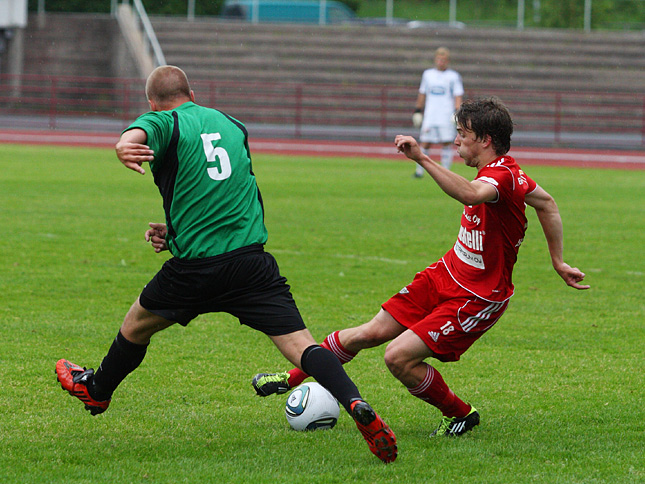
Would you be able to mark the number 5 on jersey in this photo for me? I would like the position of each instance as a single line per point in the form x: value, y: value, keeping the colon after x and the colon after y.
x: 212, y: 154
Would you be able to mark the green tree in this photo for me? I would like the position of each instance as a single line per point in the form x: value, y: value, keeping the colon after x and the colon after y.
x: 562, y: 14
x: 95, y: 6
x: 155, y: 7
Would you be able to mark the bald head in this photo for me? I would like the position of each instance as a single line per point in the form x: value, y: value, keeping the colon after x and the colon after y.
x: 167, y: 87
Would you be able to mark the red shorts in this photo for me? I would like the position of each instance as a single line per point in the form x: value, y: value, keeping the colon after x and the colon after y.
x: 444, y: 315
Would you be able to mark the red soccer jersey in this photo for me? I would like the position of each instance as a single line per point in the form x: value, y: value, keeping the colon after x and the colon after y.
x: 491, y: 233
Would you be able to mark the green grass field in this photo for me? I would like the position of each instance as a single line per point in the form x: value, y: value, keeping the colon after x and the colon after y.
x: 558, y: 382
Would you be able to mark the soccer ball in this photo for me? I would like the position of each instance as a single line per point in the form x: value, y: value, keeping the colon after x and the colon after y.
x: 310, y: 407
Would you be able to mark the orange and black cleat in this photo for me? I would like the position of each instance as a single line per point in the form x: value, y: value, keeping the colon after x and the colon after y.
x: 74, y: 379
x: 376, y: 432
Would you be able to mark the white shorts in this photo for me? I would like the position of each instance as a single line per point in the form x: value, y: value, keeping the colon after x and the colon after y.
x: 438, y: 134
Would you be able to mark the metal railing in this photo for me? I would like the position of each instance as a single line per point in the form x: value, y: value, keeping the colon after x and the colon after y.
x: 149, y: 33
x: 334, y: 111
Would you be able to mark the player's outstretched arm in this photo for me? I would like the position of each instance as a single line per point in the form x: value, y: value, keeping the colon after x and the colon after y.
x: 156, y: 235
x: 131, y: 150
x: 465, y: 191
x: 549, y: 216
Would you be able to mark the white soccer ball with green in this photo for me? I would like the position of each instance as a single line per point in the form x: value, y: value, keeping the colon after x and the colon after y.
x: 311, y: 407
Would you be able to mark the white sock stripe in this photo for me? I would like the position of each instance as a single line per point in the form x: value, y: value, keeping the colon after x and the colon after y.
x: 334, y: 346
x: 425, y: 383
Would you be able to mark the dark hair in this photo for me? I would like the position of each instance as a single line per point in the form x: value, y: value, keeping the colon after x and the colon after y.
x: 488, y: 116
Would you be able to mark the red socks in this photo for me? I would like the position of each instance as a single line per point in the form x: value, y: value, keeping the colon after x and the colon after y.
x: 434, y: 391
x: 332, y: 343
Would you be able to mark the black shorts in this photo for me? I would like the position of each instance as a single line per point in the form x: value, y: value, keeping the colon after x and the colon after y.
x: 245, y: 283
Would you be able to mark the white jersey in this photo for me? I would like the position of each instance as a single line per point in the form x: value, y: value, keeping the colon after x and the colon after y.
x: 440, y: 88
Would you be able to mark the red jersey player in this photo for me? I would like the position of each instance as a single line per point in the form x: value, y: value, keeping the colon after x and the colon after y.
x: 453, y: 302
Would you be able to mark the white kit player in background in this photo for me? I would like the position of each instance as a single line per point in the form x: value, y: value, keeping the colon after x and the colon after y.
x: 440, y: 95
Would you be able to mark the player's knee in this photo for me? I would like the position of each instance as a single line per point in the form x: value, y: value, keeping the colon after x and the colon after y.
x: 140, y: 325
x: 396, y: 362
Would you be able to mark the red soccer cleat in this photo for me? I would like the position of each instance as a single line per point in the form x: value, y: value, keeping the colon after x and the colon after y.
x: 74, y: 379
x: 376, y: 432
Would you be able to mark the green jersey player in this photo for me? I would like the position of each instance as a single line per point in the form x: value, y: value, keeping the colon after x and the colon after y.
x: 215, y: 230
x: 215, y: 167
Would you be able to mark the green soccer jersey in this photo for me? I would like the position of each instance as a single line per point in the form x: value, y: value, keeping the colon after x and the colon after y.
x: 202, y: 166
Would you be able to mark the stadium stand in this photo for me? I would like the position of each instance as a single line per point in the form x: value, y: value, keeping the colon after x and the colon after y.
x: 486, y: 58
x: 563, y: 86
x: 375, y: 55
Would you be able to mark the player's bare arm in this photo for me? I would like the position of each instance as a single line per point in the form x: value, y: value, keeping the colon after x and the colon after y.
x: 549, y: 216
x: 156, y: 235
x: 132, y: 150
x: 417, y: 117
x: 421, y: 101
x: 458, y: 101
x: 463, y: 190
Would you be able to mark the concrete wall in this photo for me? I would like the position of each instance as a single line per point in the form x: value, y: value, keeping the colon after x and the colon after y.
x: 76, y: 45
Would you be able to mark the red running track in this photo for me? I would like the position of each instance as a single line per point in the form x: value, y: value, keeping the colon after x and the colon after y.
x: 615, y: 159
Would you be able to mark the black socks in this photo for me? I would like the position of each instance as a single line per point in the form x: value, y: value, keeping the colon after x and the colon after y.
x: 323, y: 365
x: 122, y: 358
